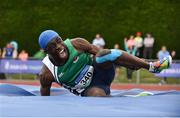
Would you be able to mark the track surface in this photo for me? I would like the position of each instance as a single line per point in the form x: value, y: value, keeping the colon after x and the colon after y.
x: 113, y: 86
x: 25, y: 101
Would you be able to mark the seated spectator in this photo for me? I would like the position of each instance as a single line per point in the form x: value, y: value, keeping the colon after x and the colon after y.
x: 39, y: 55
x: 99, y: 41
x: 9, y: 51
x: 139, y: 44
x: 148, y: 46
x: 163, y: 53
x: 23, y: 55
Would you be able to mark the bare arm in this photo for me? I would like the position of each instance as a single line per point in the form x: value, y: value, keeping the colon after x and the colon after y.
x: 83, y: 45
x: 46, y: 79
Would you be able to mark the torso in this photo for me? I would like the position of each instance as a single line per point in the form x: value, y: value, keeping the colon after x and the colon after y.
x: 67, y: 73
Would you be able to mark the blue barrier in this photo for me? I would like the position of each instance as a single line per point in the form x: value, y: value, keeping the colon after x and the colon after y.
x: 34, y: 67
x: 18, y: 66
x: 173, y: 71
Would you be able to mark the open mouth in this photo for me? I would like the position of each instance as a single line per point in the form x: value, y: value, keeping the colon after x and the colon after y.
x: 62, y: 53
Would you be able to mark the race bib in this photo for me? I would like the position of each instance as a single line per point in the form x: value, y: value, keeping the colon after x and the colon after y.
x: 85, y: 77
x: 82, y: 81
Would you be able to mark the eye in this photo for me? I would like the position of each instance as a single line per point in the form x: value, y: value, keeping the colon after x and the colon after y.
x: 52, y: 46
x: 58, y: 41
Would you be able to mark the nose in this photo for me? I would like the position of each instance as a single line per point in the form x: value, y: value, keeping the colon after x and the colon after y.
x: 58, y: 46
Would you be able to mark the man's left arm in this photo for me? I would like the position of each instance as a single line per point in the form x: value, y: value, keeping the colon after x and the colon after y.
x: 83, y: 45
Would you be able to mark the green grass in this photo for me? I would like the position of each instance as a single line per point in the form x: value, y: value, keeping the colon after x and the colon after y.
x: 145, y: 77
x: 21, y: 76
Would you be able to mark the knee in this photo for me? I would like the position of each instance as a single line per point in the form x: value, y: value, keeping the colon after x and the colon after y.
x: 108, y: 55
x: 96, y: 92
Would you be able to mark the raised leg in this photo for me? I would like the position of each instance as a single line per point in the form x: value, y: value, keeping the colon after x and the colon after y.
x: 121, y: 58
x: 131, y: 62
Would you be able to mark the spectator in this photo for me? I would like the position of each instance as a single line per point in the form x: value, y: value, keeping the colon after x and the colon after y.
x: 130, y: 42
x: 131, y: 49
x: 9, y: 51
x: 39, y: 55
x: 148, y: 46
x: 163, y: 53
x: 139, y: 44
x: 173, y: 54
x: 116, y: 46
x: 0, y: 53
x: 117, y: 71
x: 14, y: 44
x: 23, y: 55
x: 99, y: 41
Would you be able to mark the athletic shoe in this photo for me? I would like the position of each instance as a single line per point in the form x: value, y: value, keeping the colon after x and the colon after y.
x: 158, y: 66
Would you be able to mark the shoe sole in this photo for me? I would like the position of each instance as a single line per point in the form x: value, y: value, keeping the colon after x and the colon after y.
x: 170, y: 61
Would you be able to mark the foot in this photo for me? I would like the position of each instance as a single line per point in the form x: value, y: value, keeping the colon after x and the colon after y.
x: 158, y: 66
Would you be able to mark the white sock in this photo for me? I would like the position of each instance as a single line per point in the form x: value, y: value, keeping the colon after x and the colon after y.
x: 151, y: 67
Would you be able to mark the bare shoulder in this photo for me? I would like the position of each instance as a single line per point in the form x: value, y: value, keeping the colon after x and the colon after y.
x: 45, y: 76
x: 82, y: 44
x: 79, y: 42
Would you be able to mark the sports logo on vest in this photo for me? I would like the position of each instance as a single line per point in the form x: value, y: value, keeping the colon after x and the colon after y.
x: 60, y: 75
x: 75, y: 59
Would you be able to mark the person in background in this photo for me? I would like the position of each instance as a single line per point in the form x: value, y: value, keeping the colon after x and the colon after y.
x: 139, y: 44
x: 99, y: 41
x: 161, y: 55
x: 130, y: 48
x: 39, y: 55
x: 9, y: 52
x: 0, y: 53
x: 23, y: 55
x: 173, y: 54
x: 117, y: 71
x: 148, y: 46
x: 14, y: 44
x: 130, y: 42
x: 116, y: 46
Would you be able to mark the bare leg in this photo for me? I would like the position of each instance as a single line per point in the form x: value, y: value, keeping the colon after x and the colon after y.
x: 131, y: 62
x: 121, y: 58
x: 95, y: 92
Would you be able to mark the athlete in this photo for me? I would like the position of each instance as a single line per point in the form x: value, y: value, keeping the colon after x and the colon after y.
x: 82, y: 68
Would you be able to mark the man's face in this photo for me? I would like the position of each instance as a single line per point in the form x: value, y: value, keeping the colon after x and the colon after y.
x: 57, y: 51
x: 164, y: 49
x: 97, y: 36
x: 148, y: 35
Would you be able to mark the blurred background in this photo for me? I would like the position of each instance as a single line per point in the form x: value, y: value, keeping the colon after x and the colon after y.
x: 149, y: 29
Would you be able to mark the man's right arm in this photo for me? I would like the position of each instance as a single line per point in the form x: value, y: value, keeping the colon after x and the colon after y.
x: 46, y: 78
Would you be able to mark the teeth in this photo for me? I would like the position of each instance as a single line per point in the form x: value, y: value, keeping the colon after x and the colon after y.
x: 62, y: 51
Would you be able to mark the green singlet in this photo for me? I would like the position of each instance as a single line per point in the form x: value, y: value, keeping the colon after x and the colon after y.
x: 67, y: 73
